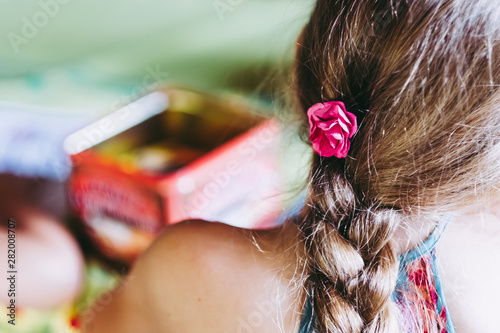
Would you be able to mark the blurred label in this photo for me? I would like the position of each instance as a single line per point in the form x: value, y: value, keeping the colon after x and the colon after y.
x: 31, y: 142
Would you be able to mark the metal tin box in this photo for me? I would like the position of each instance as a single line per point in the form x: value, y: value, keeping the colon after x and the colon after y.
x: 170, y: 156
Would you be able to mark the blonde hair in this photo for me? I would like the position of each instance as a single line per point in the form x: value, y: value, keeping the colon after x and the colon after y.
x: 423, y: 76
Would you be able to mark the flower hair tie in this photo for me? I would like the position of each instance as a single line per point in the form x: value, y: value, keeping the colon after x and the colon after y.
x: 331, y: 128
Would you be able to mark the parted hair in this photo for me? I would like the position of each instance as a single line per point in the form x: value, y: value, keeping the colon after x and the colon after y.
x: 422, y: 77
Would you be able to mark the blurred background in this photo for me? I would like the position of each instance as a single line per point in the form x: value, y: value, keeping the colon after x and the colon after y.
x: 65, y: 64
x: 85, y: 54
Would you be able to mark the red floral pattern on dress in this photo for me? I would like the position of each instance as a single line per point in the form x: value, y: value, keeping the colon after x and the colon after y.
x: 418, y: 299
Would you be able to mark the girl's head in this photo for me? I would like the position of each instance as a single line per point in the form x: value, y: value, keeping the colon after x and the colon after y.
x: 422, y: 77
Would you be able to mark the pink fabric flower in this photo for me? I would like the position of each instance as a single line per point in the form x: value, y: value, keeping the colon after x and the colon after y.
x: 331, y: 128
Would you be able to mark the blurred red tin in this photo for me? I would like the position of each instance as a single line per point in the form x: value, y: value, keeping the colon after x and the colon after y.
x: 170, y: 156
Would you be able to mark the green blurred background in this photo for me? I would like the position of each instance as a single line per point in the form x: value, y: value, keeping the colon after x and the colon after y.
x: 83, y: 56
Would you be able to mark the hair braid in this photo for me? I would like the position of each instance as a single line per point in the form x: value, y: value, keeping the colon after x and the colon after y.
x: 354, y: 266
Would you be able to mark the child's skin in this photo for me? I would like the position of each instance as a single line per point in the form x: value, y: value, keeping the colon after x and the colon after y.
x: 469, y: 253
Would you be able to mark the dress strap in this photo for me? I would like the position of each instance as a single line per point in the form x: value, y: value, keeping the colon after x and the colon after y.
x: 307, y: 321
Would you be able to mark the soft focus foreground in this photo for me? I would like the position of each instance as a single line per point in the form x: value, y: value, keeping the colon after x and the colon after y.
x: 67, y: 64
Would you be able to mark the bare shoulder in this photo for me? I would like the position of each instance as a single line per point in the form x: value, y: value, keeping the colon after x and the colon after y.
x: 468, y: 253
x: 211, y: 277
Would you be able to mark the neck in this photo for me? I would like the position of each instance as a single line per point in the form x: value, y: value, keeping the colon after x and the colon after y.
x: 410, y: 234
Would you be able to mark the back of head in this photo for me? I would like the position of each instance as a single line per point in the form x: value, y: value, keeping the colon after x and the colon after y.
x: 422, y: 76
